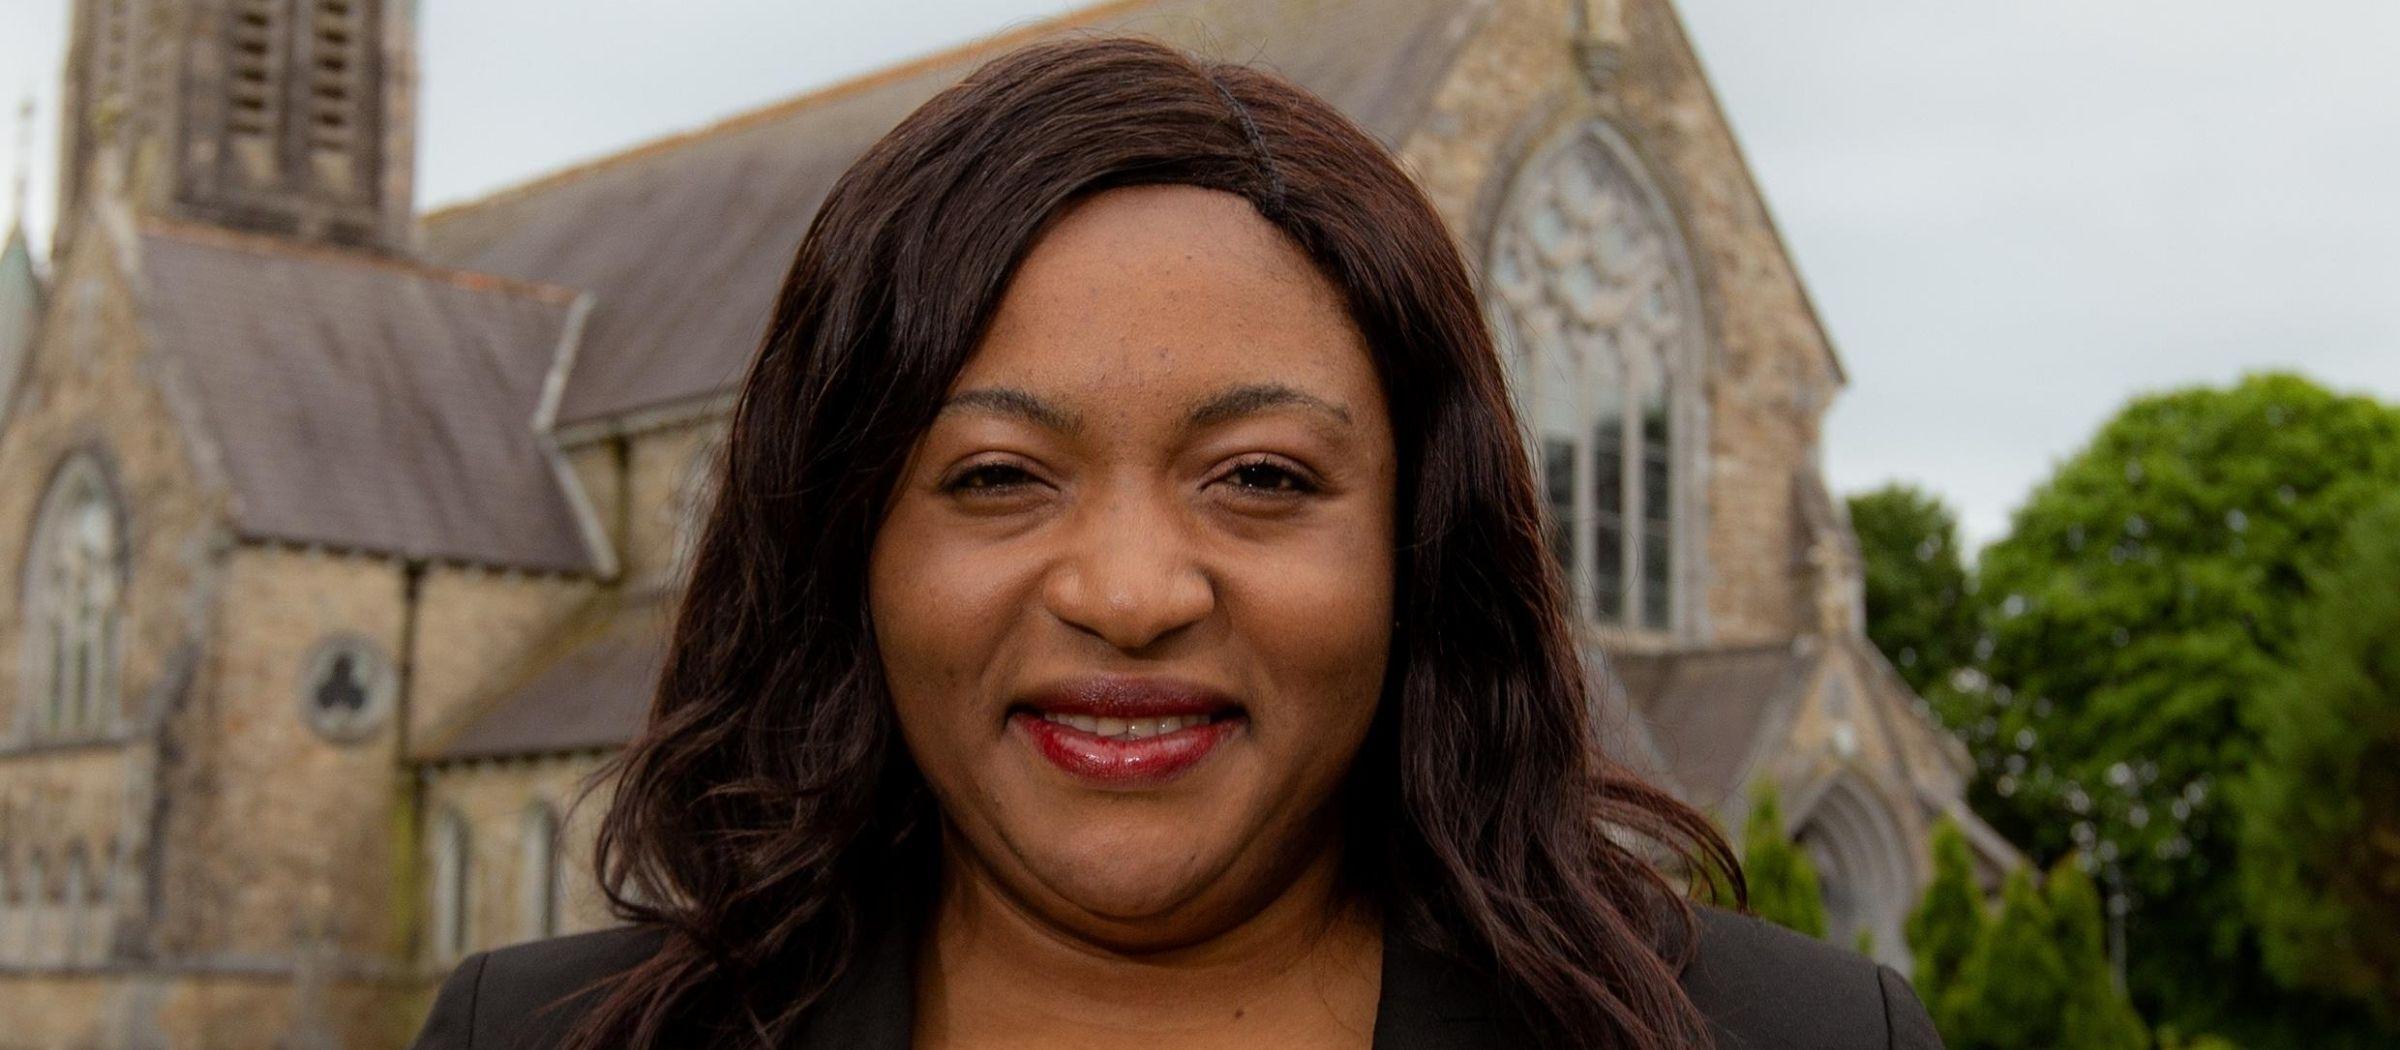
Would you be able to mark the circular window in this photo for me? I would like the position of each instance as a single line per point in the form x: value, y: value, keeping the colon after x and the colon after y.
x: 346, y: 685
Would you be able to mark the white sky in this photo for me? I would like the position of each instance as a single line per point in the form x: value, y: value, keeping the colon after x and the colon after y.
x: 2012, y: 215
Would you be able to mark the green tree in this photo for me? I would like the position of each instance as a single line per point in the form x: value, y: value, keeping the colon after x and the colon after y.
x: 1783, y: 884
x: 1949, y: 919
x: 1917, y: 586
x: 2097, y: 1015
x: 2320, y: 844
x: 2011, y: 992
x: 2142, y: 596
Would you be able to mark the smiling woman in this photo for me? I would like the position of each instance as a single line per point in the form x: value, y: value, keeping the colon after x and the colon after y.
x: 1125, y: 620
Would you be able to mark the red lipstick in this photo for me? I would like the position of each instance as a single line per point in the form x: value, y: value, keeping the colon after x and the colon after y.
x: 1126, y: 732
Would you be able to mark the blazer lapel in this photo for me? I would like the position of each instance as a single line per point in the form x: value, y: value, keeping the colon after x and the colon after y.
x: 1425, y: 1003
x: 870, y: 1007
x: 1429, y: 1004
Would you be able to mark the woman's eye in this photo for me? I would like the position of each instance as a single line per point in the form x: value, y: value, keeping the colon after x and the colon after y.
x: 988, y: 477
x: 1270, y: 478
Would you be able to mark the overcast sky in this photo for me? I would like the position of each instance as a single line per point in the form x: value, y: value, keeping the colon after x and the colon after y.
x: 2012, y: 216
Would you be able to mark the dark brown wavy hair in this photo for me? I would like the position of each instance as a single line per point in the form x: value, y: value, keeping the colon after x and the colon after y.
x: 769, y: 818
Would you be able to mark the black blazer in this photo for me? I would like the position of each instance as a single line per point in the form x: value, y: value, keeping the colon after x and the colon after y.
x: 1759, y: 985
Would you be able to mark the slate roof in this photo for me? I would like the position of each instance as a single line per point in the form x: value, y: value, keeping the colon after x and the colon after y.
x: 593, y: 697
x: 684, y: 241
x: 366, y: 403
x: 1704, y: 708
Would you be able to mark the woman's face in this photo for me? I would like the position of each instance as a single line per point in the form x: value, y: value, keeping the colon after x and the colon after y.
x: 1134, y: 590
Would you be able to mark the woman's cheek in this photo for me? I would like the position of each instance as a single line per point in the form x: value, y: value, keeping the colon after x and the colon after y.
x: 1322, y: 618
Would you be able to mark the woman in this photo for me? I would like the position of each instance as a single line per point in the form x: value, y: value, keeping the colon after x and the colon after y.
x: 1124, y: 621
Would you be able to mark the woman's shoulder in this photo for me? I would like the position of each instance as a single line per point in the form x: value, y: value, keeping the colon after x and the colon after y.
x: 527, y: 995
x: 1764, y: 985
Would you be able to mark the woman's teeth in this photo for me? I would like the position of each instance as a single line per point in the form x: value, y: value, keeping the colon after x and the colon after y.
x: 1125, y: 728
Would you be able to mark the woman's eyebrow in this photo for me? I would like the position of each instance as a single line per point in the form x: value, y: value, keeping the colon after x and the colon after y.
x: 1010, y: 401
x: 1225, y: 405
x: 1244, y: 400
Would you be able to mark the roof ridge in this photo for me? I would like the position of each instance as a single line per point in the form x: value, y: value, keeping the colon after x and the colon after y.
x: 269, y: 244
x: 780, y: 108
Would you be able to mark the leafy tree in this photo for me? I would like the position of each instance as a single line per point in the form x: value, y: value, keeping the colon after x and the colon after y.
x: 1917, y: 587
x: 2097, y: 1015
x: 2320, y: 844
x: 1783, y: 884
x: 2142, y: 595
x: 1949, y: 918
x: 2170, y: 1039
x: 2011, y: 992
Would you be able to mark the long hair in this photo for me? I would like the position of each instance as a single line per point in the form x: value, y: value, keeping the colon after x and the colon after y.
x: 769, y: 817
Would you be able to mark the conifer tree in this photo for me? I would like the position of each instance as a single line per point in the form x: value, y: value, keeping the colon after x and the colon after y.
x: 1949, y: 919
x: 2097, y: 1014
x: 2011, y: 993
x: 1783, y: 884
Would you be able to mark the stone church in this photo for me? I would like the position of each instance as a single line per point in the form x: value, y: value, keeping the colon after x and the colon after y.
x: 340, y: 539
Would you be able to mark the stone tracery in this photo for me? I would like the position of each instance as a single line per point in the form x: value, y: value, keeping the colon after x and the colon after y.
x: 1595, y: 307
x: 71, y: 600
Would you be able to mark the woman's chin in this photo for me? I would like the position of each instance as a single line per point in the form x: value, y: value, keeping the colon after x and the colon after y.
x: 1130, y: 904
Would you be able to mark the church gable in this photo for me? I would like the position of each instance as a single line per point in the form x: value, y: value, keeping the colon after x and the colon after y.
x: 1577, y: 148
x: 97, y: 451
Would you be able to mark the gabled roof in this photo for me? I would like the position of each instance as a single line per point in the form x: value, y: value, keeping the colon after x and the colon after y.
x: 1705, y: 707
x: 366, y: 403
x: 684, y: 241
x: 592, y: 691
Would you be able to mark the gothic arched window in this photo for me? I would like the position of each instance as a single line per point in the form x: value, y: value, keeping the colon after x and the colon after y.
x: 1594, y: 304
x: 37, y: 912
x: 541, y: 871
x: 453, y: 876
x: 74, y: 578
x: 75, y: 908
x: 12, y: 919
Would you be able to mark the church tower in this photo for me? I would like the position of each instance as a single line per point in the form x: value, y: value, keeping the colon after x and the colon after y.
x: 289, y: 117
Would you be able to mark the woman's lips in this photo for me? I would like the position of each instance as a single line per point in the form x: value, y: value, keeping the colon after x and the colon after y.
x: 1125, y: 752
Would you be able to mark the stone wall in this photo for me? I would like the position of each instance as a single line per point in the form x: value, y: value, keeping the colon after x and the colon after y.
x: 474, y: 626
x: 668, y: 472
x: 494, y: 799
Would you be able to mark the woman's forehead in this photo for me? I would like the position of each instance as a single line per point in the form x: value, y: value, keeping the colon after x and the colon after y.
x: 1168, y: 285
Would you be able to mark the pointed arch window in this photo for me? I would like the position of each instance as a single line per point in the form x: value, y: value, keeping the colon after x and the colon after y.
x: 541, y: 871
x: 75, y: 908
x: 37, y: 940
x: 453, y: 878
x: 1597, y: 314
x: 74, y: 583
x: 11, y: 917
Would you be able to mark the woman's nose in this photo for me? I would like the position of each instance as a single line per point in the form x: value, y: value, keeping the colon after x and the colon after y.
x: 1128, y: 571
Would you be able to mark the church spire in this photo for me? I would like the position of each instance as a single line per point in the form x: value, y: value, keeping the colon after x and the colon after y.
x: 291, y: 117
